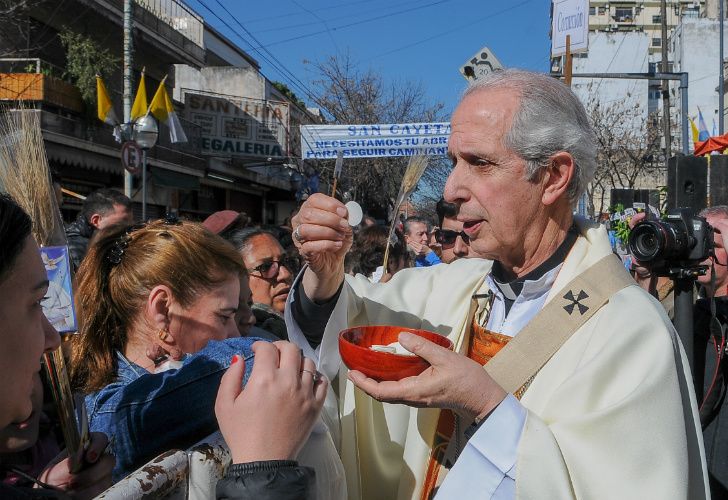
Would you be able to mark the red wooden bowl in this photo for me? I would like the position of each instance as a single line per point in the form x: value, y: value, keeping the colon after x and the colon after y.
x: 354, y: 346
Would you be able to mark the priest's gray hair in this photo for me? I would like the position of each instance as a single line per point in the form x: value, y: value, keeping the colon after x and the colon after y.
x: 550, y: 119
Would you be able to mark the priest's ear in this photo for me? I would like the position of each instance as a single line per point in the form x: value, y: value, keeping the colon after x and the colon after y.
x: 556, y: 177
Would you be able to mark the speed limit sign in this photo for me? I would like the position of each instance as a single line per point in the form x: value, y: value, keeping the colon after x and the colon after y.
x: 131, y: 157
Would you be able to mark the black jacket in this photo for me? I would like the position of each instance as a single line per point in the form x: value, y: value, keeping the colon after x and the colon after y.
x: 78, y: 233
x: 268, y: 480
x: 21, y: 493
x: 714, y: 411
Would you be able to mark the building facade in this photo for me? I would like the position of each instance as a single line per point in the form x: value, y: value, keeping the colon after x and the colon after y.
x: 626, y: 37
x: 169, y: 40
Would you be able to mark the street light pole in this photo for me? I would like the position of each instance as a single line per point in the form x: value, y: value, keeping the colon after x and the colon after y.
x: 144, y: 184
x: 128, y: 51
x: 681, y: 77
x: 721, y: 104
x: 146, y: 133
x: 666, y: 132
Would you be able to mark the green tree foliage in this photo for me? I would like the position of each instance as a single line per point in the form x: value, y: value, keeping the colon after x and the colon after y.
x: 85, y: 59
x: 283, y: 89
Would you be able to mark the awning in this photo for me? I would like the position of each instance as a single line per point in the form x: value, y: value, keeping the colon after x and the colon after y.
x: 168, y: 178
x: 67, y: 155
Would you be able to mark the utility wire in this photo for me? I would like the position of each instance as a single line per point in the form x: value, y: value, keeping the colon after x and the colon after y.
x: 328, y: 7
x: 312, y: 12
x: 356, y: 23
x: 322, y: 20
x: 280, y: 66
x: 456, y: 28
x: 284, y: 72
x: 50, y: 20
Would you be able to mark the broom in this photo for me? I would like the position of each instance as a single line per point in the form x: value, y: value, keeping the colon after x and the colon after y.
x: 415, y: 168
x: 25, y: 175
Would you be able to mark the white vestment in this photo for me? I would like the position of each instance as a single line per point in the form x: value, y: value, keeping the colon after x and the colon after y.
x: 611, y: 415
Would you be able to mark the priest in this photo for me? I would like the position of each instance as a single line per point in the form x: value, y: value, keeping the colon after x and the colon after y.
x: 566, y: 379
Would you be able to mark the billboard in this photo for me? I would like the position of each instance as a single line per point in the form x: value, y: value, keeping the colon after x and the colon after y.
x: 367, y: 141
x: 238, y: 126
x: 569, y: 17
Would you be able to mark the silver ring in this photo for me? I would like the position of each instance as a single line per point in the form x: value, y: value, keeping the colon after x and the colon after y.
x: 316, y: 375
x: 297, y: 234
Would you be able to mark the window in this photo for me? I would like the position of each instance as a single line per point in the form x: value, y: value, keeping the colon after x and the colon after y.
x: 656, y: 19
x: 656, y: 67
x: 691, y: 12
x: 623, y: 14
x: 592, y: 11
x: 602, y: 11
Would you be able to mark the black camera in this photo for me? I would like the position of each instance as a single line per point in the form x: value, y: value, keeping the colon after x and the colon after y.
x: 678, y: 243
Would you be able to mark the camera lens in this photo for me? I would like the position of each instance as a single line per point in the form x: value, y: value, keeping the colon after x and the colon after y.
x: 645, y: 242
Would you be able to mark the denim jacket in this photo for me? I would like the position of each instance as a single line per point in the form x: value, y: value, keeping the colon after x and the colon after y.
x: 145, y: 414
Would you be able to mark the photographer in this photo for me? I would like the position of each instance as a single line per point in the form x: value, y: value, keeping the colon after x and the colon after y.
x: 712, y: 379
x: 710, y: 368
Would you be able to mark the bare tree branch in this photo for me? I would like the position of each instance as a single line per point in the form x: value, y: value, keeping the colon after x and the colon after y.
x: 350, y: 96
x: 628, y: 150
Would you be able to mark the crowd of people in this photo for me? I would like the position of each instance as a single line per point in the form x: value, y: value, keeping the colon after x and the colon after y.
x: 566, y: 379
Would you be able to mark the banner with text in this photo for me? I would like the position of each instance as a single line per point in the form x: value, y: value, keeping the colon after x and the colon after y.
x: 367, y: 141
x: 239, y: 126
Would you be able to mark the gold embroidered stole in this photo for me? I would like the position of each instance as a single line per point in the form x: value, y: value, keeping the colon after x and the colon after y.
x: 521, y: 358
x: 482, y: 346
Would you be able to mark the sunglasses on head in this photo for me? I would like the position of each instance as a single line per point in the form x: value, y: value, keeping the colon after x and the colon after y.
x: 448, y: 236
x: 270, y: 268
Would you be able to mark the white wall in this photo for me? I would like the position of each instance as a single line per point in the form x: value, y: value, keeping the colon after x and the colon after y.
x: 240, y: 82
x: 613, y: 53
x: 695, y: 47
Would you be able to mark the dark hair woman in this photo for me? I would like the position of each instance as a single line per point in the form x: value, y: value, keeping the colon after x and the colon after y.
x: 25, y: 334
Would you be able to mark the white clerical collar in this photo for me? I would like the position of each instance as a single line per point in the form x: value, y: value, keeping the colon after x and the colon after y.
x: 530, y: 288
x: 512, y: 289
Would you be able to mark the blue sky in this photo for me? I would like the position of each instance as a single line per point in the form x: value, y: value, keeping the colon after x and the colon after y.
x: 423, y: 41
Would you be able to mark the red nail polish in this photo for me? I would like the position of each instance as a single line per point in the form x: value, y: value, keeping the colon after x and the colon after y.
x: 235, y: 359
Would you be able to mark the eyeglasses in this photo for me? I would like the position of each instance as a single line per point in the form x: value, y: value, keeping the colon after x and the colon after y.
x: 270, y: 268
x: 448, y: 236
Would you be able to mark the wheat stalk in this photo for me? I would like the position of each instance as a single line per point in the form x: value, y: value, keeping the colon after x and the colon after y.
x: 412, y: 175
x: 25, y: 175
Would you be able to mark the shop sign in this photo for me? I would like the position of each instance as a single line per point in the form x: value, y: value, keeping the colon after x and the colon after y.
x: 239, y: 126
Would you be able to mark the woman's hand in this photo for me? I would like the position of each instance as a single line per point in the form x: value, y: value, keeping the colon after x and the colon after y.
x: 93, y: 479
x: 271, y: 418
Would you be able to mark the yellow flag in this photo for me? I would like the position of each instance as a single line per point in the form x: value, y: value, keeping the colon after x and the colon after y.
x: 163, y: 110
x: 105, y: 107
x: 140, y: 106
x: 696, y: 132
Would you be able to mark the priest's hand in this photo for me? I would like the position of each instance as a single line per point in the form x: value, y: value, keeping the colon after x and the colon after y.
x: 323, y: 237
x: 452, y: 381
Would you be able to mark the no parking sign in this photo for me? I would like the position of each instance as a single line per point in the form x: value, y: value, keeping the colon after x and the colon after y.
x: 131, y: 157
